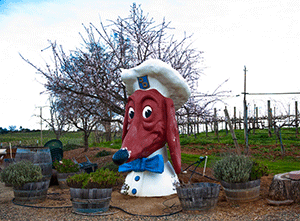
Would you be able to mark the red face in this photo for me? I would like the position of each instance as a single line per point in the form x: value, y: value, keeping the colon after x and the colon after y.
x: 149, y: 123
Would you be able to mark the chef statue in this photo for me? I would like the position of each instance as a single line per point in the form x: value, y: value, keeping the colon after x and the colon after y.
x: 155, y: 92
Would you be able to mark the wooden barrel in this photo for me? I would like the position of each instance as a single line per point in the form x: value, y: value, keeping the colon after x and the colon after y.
x: 90, y: 200
x: 62, y: 177
x: 40, y: 156
x: 198, y: 196
x: 242, y: 192
x: 31, y: 193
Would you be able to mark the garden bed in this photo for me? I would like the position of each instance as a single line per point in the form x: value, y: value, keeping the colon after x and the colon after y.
x: 156, y: 206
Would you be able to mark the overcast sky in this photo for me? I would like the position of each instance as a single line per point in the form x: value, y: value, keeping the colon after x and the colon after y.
x: 263, y: 35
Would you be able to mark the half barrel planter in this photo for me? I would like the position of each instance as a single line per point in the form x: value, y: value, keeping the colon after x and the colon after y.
x: 31, y: 193
x: 40, y: 156
x: 242, y: 192
x: 198, y: 196
x: 62, y: 179
x: 90, y: 200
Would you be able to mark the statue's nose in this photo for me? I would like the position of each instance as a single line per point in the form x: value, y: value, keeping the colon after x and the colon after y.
x: 121, y: 156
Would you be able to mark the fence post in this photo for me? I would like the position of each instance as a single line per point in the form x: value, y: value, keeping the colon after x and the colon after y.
x: 254, y: 119
x: 240, y: 121
x: 198, y: 122
x: 234, y: 117
x: 296, y: 117
x: 269, y: 118
x: 256, y: 112
x: 216, y: 123
x: 226, y: 123
x: 245, y: 113
x: 206, y: 128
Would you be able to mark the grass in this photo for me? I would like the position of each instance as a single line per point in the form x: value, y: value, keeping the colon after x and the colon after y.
x: 260, y: 137
x: 281, y: 166
x: 259, y: 142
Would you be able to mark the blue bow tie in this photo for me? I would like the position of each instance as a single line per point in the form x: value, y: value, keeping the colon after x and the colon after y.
x: 154, y: 164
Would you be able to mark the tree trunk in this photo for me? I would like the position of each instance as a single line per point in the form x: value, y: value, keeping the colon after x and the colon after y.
x: 107, y: 127
x: 285, y: 188
x: 57, y: 135
x: 97, y: 136
x: 86, y: 141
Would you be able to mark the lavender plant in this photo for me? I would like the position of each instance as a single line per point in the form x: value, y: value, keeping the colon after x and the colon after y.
x: 233, y: 169
x: 20, y: 173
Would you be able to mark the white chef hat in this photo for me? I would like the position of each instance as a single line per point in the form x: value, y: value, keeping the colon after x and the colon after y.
x: 156, y: 74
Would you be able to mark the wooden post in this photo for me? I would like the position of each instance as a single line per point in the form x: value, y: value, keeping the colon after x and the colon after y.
x: 226, y: 123
x: 206, y: 128
x: 245, y: 113
x: 254, y: 120
x: 216, y: 123
x: 240, y: 121
x: 256, y: 112
x: 289, y: 114
x: 227, y: 118
x: 296, y: 118
x: 188, y: 123
x: 198, y: 122
x: 269, y: 118
x: 41, y: 111
x: 234, y: 117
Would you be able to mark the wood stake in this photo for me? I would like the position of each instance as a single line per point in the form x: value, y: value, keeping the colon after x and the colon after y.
x: 227, y: 118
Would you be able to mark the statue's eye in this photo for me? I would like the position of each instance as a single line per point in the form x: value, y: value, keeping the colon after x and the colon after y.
x: 147, y: 112
x: 131, y: 112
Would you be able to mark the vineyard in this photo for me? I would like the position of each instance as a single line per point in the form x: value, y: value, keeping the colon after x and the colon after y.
x: 262, y: 146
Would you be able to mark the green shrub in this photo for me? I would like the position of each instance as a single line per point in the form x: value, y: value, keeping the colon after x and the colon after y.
x: 111, y: 166
x: 103, y: 153
x: 101, y: 178
x: 258, y: 170
x: 66, y: 166
x: 69, y: 146
x: 20, y: 173
x: 185, y: 140
x: 233, y: 169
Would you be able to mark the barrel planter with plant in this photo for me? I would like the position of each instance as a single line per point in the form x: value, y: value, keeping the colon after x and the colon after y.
x: 198, y: 196
x: 65, y: 168
x: 91, y: 193
x: 27, y: 181
x: 240, y: 177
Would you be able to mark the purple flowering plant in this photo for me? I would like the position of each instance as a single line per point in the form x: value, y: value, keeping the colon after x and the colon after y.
x: 66, y: 166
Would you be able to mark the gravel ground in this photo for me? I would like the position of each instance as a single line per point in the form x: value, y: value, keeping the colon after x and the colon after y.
x: 258, y: 210
x: 10, y: 211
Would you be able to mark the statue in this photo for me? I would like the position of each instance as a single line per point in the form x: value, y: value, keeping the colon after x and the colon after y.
x: 156, y: 90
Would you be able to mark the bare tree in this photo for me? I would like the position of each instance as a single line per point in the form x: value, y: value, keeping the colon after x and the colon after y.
x: 94, y: 70
x: 77, y: 110
x: 58, y: 121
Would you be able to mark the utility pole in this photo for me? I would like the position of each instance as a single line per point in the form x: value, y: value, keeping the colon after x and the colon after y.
x: 245, y: 113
